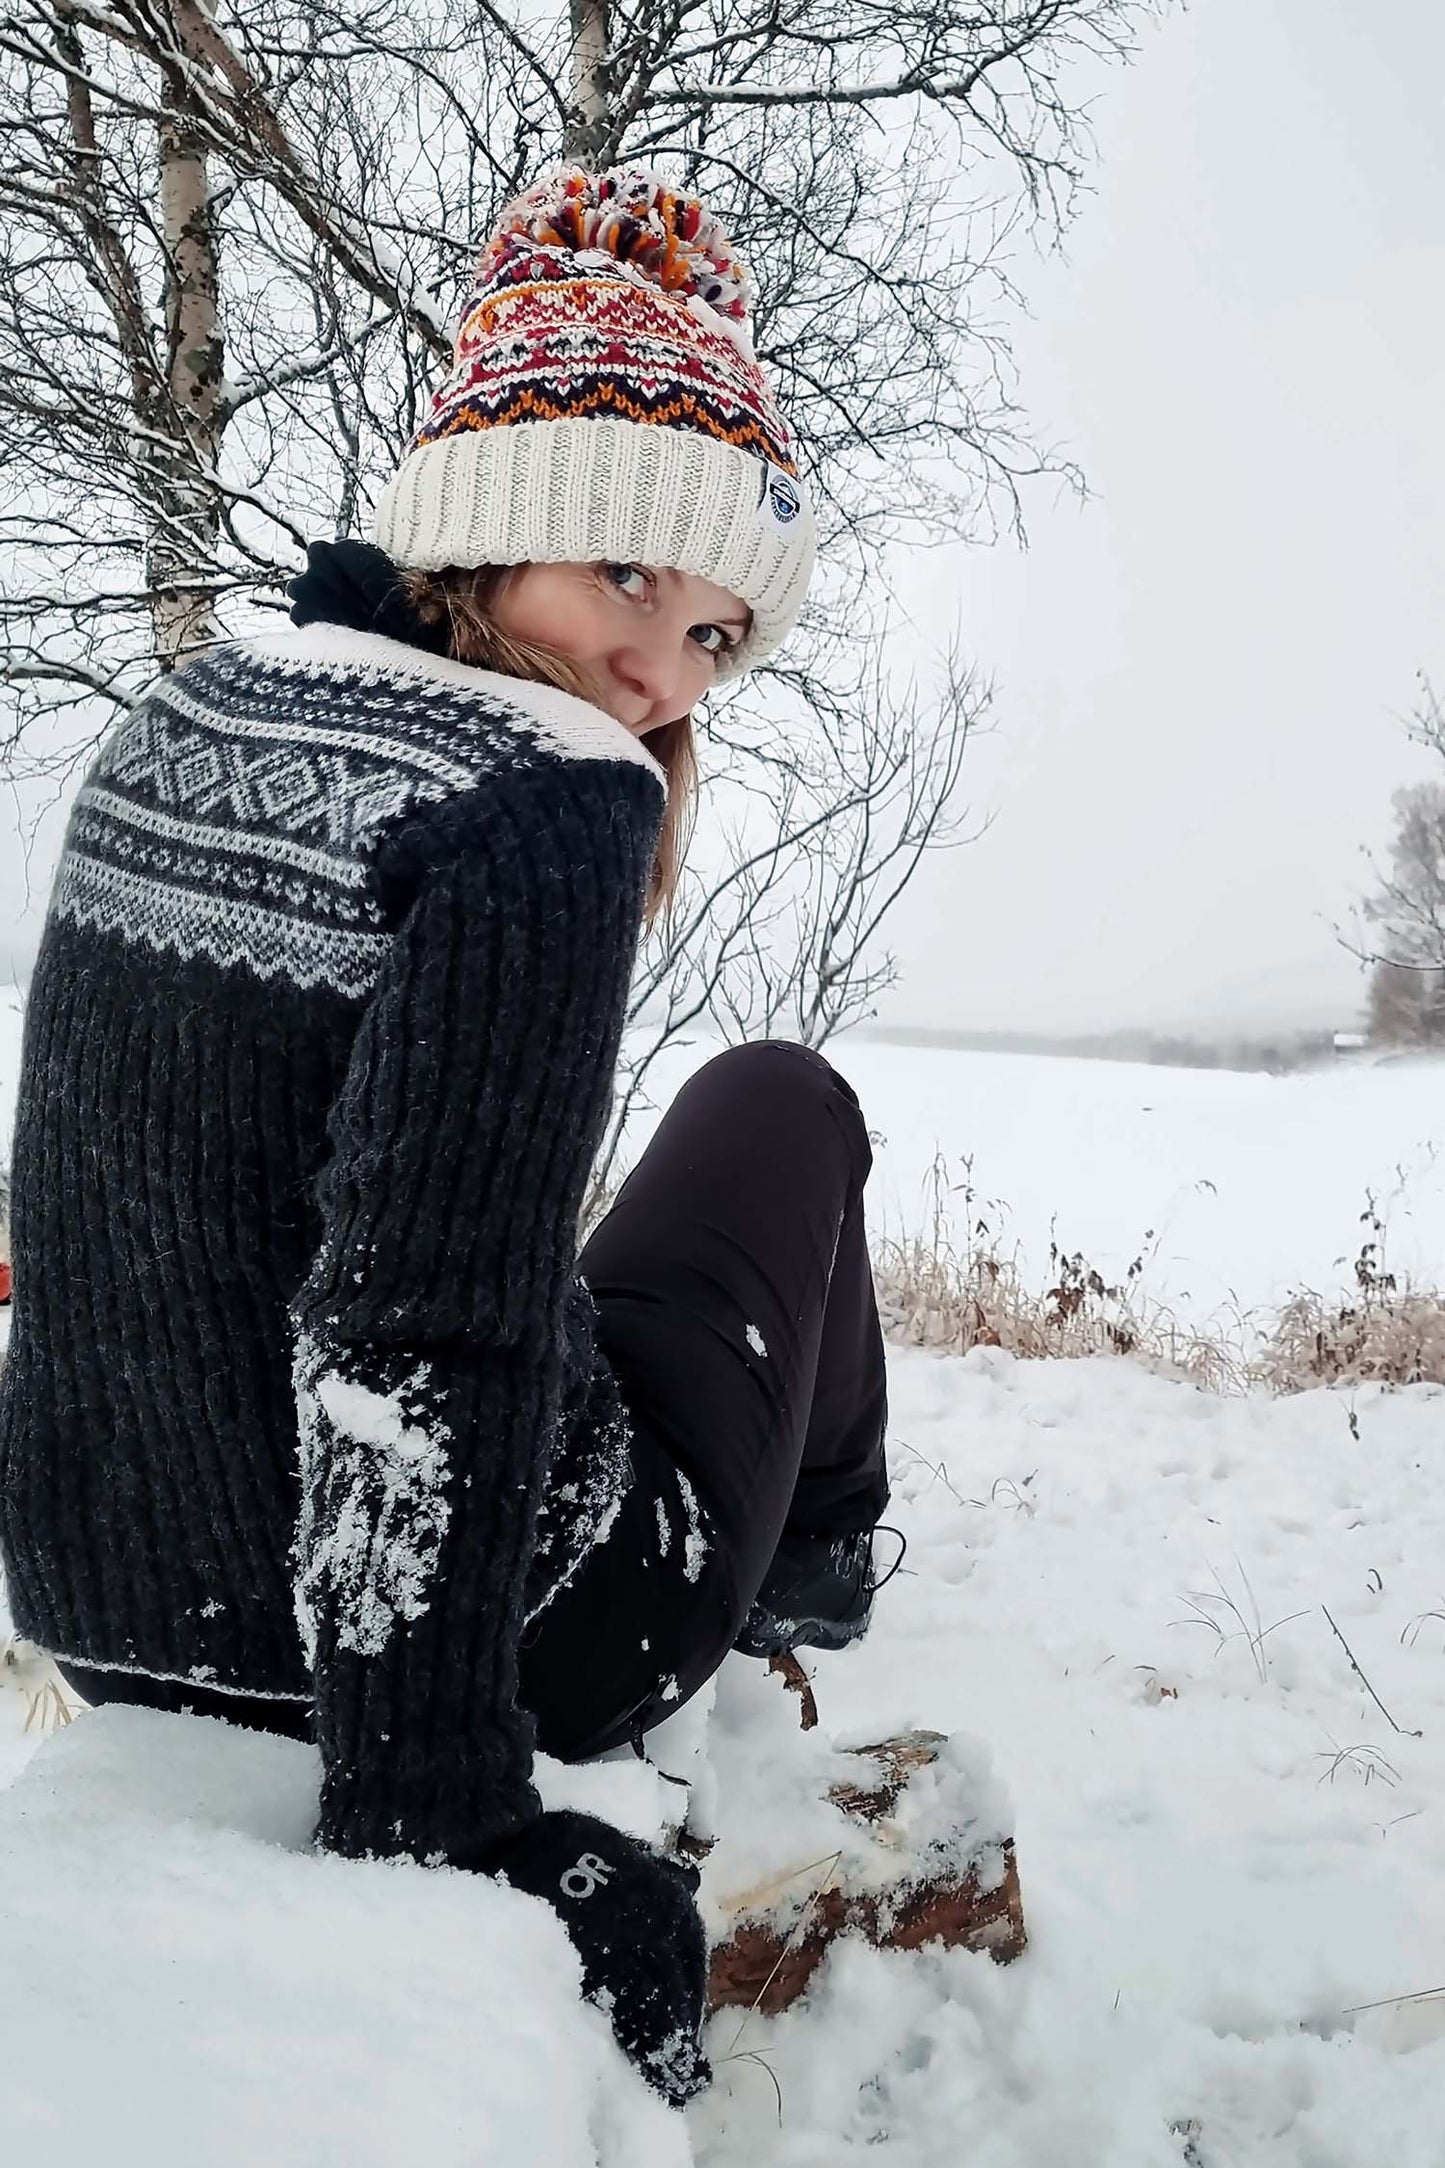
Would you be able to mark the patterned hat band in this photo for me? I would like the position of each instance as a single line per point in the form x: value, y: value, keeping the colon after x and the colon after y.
x: 604, y: 404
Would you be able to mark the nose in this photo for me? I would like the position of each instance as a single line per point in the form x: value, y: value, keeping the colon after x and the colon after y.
x: 649, y: 669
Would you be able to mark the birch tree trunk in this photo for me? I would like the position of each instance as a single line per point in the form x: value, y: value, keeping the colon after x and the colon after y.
x: 185, y: 525
x: 587, y: 114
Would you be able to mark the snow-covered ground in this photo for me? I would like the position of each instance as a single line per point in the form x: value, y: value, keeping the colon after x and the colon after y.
x: 1233, y: 1859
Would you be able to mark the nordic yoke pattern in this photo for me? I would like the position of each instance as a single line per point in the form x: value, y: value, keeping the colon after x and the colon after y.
x: 317, y: 1055
x: 604, y: 403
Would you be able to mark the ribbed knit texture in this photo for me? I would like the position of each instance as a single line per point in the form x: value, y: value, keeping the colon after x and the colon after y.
x: 588, y: 491
x: 317, y: 1054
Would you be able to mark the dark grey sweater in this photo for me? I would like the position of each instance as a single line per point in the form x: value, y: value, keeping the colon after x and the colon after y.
x: 317, y: 1055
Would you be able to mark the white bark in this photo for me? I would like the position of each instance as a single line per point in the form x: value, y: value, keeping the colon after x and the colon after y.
x: 186, y: 529
x: 587, y: 121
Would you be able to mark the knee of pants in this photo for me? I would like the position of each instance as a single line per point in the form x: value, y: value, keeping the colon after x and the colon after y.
x: 767, y: 1059
x: 774, y: 1065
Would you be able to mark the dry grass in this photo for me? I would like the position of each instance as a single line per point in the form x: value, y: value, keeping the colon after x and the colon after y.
x: 939, y: 1293
x: 1388, y: 1332
x: 934, y: 1293
x: 951, y: 1295
x: 1395, y: 1340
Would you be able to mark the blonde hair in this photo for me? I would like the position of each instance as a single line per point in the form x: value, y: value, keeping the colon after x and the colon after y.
x: 461, y: 600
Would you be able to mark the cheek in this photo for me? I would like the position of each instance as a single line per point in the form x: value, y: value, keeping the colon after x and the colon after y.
x: 553, y: 613
x: 699, y: 669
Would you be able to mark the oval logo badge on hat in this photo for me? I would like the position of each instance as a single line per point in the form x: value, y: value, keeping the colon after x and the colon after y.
x: 780, y: 504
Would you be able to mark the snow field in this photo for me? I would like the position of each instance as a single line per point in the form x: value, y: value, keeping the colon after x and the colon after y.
x: 1251, y: 1185
x: 1215, y: 1875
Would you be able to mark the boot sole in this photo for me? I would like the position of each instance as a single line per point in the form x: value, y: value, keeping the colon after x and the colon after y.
x: 830, y: 1634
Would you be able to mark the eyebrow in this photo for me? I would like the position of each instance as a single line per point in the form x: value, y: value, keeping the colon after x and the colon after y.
x: 741, y: 623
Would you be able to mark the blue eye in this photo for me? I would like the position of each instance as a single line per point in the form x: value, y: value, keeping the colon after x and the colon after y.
x: 714, y: 640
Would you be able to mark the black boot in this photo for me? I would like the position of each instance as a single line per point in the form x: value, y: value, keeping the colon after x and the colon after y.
x: 818, y: 1593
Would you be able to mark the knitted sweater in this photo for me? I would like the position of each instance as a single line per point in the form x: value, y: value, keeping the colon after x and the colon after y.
x: 317, y: 1055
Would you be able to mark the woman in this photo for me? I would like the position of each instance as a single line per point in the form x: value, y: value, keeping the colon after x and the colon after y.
x: 318, y: 1053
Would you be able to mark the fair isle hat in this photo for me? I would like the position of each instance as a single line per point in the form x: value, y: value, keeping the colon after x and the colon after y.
x: 604, y: 404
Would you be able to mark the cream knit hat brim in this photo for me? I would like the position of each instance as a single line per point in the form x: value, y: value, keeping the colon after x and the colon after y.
x: 585, y: 491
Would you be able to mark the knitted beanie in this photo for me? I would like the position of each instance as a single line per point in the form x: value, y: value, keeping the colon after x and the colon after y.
x: 604, y: 405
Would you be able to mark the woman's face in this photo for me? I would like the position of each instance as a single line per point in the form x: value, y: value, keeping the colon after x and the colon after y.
x: 647, y: 641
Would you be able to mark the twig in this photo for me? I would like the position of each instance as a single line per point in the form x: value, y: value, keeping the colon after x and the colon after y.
x: 936, y: 1469
x: 1344, y: 1644
x: 753, y: 2055
x: 1421, y: 1994
x: 1367, y: 1760
x: 1254, y: 1639
x: 796, y: 1679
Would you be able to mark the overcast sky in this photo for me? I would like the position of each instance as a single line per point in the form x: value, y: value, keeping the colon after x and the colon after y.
x: 1202, y: 672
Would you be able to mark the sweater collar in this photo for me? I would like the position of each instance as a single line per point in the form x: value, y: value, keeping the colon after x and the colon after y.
x: 569, y: 726
x: 352, y: 587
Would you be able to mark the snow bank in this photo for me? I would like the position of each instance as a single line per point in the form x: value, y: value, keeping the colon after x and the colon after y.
x: 184, y: 1982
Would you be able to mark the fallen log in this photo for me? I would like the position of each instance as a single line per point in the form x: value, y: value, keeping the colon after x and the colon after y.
x: 903, y: 1894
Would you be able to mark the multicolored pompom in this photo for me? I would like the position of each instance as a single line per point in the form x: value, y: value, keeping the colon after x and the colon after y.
x: 630, y: 214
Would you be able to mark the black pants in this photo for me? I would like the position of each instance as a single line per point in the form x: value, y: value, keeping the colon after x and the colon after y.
x: 736, y: 1307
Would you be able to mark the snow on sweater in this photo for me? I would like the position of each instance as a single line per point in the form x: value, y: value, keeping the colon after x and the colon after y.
x: 317, y: 1055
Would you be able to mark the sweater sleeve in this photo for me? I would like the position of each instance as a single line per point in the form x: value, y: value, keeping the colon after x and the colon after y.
x: 428, y: 1336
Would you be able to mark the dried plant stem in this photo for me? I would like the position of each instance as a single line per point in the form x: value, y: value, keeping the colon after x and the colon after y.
x: 1359, y: 1674
x: 1391, y: 2002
